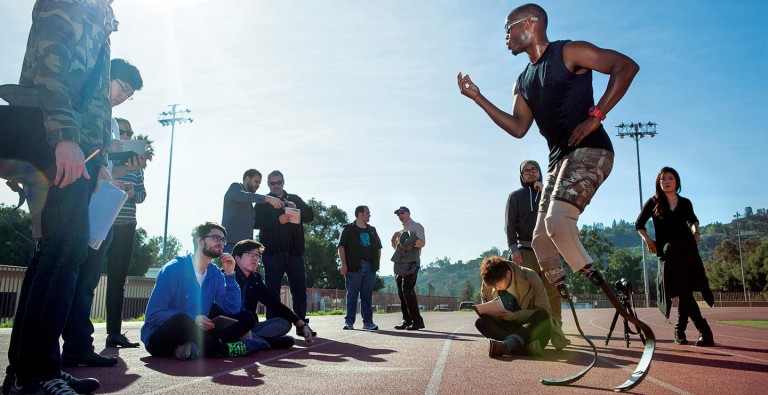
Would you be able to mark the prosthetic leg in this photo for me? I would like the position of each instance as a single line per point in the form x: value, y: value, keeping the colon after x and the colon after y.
x: 556, y: 233
x: 650, y: 340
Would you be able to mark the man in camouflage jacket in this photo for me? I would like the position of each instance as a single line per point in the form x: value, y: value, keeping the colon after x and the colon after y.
x: 67, y: 63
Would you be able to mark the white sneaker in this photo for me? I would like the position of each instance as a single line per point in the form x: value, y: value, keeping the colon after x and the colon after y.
x: 186, y: 351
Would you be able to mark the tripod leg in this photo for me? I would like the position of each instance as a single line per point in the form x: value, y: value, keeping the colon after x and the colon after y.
x: 613, y: 325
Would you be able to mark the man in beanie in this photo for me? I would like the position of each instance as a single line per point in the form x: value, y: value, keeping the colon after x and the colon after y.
x: 522, y: 206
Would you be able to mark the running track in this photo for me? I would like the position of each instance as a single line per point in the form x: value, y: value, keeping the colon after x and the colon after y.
x: 450, y: 357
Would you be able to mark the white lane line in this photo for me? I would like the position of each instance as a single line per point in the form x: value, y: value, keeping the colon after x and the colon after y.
x: 437, y: 374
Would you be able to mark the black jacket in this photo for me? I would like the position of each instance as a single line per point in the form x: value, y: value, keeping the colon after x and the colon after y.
x: 253, y: 291
x: 282, y: 238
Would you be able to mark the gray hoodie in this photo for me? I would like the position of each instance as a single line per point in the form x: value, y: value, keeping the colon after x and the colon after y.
x: 522, y: 207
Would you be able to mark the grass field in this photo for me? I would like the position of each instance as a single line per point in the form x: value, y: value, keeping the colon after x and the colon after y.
x: 754, y: 324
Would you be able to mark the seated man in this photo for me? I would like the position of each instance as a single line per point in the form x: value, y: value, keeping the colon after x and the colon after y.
x: 189, y: 292
x: 270, y: 333
x: 523, y: 327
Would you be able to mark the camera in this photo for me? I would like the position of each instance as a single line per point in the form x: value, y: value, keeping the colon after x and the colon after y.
x: 624, y: 286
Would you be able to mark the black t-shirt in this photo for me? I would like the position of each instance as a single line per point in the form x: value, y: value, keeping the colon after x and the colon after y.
x: 360, y: 244
x: 559, y: 101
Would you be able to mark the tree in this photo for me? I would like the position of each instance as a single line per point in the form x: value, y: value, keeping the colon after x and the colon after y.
x: 599, y: 248
x: 16, y: 244
x: 468, y: 291
x: 430, y: 289
x: 321, y: 253
x: 148, y: 252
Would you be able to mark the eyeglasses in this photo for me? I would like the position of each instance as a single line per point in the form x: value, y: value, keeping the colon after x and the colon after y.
x: 126, y: 89
x: 275, y: 183
x: 530, y: 171
x: 253, y: 254
x: 126, y: 132
x: 217, y: 238
x: 510, y: 24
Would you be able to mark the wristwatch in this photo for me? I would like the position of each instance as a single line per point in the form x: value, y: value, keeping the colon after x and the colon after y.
x: 594, y: 111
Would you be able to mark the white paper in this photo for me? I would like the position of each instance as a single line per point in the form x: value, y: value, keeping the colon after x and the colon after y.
x: 295, y: 214
x: 489, y: 308
x: 102, y: 211
x: 137, y: 146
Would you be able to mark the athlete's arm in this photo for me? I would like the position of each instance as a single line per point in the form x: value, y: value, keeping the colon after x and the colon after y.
x: 516, y: 124
x: 581, y: 56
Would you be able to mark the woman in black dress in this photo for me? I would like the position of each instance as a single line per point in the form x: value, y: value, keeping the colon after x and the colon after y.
x: 681, y: 271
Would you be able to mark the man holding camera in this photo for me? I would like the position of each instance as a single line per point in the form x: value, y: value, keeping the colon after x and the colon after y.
x: 408, y: 243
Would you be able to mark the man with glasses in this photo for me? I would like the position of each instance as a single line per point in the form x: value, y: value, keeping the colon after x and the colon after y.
x: 77, y: 348
x: 282, y: 234
x: 522, y: 206
x: 555, y: 90
x: 238, y: 214
x: 190, y: 295
x: 271, y: 333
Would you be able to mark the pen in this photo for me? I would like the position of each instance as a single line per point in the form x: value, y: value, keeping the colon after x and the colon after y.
x: 92, y: 155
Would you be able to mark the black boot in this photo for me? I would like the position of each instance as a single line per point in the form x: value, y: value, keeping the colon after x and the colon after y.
x: 680, y: 331
x: 706, y: 339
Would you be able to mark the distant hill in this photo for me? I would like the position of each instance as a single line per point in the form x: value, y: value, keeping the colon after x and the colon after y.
x: 447, y: 278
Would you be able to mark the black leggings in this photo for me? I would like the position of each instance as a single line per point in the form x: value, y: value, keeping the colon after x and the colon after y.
x: 181, y: 328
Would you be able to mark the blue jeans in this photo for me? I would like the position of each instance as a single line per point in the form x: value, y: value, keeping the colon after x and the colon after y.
x: 52, y: 280
x: 279, y: 264
x: 77, y: 333
x: 360, y: 283
x: 272, y: 328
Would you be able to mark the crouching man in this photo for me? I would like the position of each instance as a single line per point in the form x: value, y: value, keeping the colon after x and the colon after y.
x: 191, y: 293
x: 523, y: 327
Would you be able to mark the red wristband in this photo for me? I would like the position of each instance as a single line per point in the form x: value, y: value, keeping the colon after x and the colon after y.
x: 594, y: 111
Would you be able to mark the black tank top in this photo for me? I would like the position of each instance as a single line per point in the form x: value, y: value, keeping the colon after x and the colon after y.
x: 560, y: 100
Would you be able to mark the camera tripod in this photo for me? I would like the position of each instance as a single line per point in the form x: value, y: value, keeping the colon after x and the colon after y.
x: 624, y: 287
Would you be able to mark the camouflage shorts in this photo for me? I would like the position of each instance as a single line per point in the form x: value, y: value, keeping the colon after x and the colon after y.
x: 576, y: 177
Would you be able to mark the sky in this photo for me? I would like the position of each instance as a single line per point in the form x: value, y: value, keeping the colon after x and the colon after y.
x: 357, y: 103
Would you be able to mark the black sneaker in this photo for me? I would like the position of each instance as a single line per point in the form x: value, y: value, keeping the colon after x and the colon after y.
x: 403, y: 325
x: 81, y: 386
x: 415, y: 327
x: 89, y: 358
x: 281, y: 342
x: 47, y: 387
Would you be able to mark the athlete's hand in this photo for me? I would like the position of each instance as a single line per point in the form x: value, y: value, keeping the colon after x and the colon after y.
x: 516, y: 257
x: 467, y: 87
x: 584, y: 129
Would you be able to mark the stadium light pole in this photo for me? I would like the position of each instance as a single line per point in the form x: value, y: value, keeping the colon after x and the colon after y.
x: 636, y: 131
x: 170, y: 118
x: 741, y: 260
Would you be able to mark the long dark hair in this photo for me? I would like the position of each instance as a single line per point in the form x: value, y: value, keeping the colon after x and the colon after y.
x: 662, y: 204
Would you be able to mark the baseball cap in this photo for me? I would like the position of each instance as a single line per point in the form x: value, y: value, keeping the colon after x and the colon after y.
x: 402, y: 208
